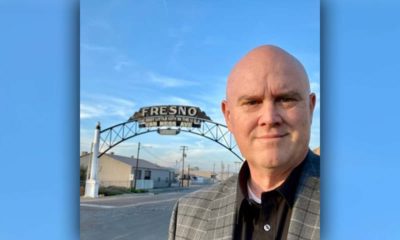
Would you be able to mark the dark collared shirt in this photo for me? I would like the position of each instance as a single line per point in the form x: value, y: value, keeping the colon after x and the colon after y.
x: 270, y: 219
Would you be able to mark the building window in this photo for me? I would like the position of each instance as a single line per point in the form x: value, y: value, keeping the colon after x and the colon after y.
x: 159, y: 179
x: 147, y: 174
x: 138, y: 174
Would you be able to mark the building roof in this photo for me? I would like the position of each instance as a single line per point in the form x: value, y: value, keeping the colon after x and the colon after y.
x: 132, y: 162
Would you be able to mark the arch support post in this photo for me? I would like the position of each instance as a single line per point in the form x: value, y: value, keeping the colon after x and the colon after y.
x: 92, y: 184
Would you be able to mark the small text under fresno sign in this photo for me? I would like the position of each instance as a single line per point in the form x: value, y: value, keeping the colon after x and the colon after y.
x: 169, y: 116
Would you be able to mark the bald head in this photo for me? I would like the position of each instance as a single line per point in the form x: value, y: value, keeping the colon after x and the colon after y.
x: 265, y: 61
x: 269, y: 111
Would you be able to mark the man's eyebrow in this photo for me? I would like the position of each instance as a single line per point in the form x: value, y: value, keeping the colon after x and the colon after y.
x: 293, y: 94
x: 247, y: 97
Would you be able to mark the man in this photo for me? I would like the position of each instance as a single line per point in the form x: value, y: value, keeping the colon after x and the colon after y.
x: 268, y: 109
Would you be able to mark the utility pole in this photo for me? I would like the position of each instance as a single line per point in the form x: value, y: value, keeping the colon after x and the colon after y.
x: 137, y: 165
x: 214, y: 175
x: 188, y: 180
x: 183, y: 148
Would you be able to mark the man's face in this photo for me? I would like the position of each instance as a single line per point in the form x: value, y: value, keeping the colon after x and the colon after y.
x: 269, y: 111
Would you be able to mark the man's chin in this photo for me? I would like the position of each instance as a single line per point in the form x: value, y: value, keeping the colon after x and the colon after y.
x: 271, y: 159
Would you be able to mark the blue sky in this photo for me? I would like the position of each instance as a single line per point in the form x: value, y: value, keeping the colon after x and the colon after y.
x: 39, y: 100
x: 142, y: 53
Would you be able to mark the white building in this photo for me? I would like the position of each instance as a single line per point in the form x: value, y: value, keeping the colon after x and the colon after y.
x: 117, y: 170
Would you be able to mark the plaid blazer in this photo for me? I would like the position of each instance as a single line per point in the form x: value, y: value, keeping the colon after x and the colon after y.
x: 210, y: 213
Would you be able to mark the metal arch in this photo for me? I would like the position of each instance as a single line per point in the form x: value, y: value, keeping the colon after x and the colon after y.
x: 114, y: 135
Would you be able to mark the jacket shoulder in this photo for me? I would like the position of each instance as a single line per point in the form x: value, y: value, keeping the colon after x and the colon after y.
x: 193, y: 214
x: 312, y: 165
x: 205, y: 196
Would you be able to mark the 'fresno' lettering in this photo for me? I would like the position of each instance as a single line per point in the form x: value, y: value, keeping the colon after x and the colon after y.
x: 182, y: 110
x: 192, y: 111
x: 152, y: 115
x: 172, y: 110
x: 169, y: 110
x: 154, y: 111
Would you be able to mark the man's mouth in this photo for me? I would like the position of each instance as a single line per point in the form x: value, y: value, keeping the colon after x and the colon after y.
x: 272, y: 136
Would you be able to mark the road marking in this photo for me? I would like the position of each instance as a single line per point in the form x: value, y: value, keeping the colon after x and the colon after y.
x: 150, y: 202
x: 125, y: 206
x: 95, y: 205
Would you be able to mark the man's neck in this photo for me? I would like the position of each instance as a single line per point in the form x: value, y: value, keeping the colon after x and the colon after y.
x: 265, y: 180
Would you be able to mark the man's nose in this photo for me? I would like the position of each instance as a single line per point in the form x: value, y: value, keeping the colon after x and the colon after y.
x: 269, y: 115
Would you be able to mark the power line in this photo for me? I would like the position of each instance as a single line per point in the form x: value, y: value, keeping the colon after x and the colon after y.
x: 152, y: 154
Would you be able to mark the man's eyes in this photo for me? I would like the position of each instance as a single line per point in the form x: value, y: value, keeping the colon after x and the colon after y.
x: 251, y: 102
x: 287, y: 102
x: 286, y: 99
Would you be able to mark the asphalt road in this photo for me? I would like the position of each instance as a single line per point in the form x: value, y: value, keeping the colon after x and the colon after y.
x: 130, y: 216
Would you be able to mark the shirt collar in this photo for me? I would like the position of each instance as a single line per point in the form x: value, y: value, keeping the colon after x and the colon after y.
x: 287, y: 189
x: 289, y: 186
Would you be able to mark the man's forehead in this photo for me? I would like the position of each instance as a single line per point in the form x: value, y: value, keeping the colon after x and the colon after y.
x: 272, y: 84
x: 255, y: 91
x: 267, y: 67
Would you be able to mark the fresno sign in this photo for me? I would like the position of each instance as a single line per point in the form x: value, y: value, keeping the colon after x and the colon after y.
x: 169, y: 116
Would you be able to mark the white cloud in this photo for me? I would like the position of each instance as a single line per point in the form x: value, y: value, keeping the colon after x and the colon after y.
x: 98, y: 106
x: 92, y: 47
x: 90, y: 111
x: 178, y: 101
x: 169, y: 82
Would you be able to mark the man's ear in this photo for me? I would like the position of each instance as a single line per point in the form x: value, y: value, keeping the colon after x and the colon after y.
x: 313, y: 100
x: 226, y: 112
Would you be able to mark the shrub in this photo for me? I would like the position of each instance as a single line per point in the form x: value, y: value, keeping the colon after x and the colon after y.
x: 138, y: 190
x: 113, y: 190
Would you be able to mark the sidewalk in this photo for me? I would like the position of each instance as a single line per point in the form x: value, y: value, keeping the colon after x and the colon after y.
x: 155, y: 191
x: 175, y: 189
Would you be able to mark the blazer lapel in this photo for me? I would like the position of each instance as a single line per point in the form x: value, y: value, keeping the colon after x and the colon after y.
x: 305, y: 219
x: 222, y: 214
